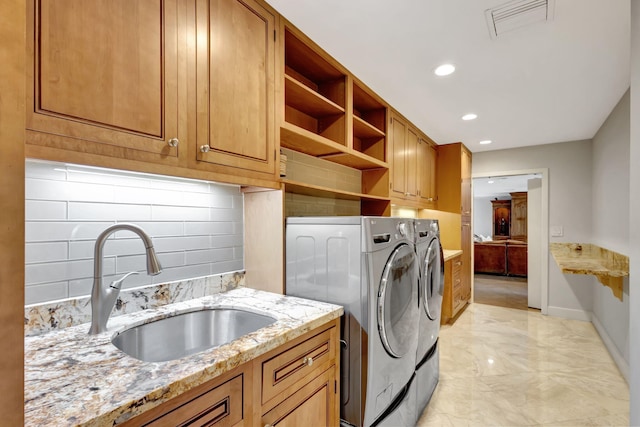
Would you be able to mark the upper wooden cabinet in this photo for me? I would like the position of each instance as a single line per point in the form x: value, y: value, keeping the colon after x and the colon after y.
x: 103, y: 77
x: 427, y: 179
x: 403, y: 154
x: 454, y: 179
x: 180, y: 88
x: 235, y: 84
x: 412, y: 159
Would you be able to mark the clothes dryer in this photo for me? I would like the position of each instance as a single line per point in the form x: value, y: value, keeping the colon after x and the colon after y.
x: 431, y: 287
x: 369, y: 266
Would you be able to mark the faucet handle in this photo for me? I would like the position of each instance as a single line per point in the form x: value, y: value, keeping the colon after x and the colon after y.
x: 117, y: 284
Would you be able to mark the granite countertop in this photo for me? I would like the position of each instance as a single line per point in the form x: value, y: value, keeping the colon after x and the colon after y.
x: 585, y: 258
x: 451, y: 253
x: 72, y: 378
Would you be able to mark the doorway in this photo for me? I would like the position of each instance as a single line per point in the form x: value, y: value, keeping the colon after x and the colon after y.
x: 509, y: 214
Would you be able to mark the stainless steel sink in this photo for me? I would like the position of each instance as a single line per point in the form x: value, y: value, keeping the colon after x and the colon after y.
x: 188, y: 333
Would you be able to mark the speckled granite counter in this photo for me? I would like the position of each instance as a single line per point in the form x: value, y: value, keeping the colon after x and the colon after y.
x: 584, y: 258
x: 451, y: 253
x: 72, y: 378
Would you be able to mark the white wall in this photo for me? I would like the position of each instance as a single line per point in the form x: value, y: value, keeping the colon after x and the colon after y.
x: 634, y: 215
x: 570, y: 206
x: 196, y: 227
x: 482, y: 215
x: 610, y: 224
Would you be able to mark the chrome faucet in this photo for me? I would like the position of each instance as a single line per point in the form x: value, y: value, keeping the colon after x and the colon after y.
x: 103, y: 300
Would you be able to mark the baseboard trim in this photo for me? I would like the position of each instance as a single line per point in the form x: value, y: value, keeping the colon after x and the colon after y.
x: 570, y: 313
x: 617, y: 357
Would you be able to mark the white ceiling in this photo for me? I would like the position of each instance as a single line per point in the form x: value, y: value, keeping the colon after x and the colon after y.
x: 544, y: 83
x: 501, y: 186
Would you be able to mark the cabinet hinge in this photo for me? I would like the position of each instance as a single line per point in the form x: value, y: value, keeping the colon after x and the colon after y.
x: 335, y: 387
x: 274, y: 35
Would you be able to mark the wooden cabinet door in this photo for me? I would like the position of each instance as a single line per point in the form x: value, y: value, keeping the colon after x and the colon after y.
x: 315, y: 404
x: 426, y: 172
x: 466, y: 267
x: 103, y: 76
x: 465, y: 175
x: 397, y: 155
x: 235, y: 84
x: 519, y: 216
x: 433, y: 164
x: 411, y: 163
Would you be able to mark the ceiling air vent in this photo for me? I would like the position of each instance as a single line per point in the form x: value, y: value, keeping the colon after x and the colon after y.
x: 518, y: 14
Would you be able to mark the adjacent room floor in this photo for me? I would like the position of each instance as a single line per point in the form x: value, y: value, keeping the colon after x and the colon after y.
x: 508, y: 367
x: 503, y: 291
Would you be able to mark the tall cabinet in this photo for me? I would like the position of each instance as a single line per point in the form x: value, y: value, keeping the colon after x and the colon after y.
x: 454, y: 196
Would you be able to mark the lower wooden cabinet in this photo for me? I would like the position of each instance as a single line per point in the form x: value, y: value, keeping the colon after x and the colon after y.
x: 455, y: 295
x: 315, y: 404
x: 295, y: 384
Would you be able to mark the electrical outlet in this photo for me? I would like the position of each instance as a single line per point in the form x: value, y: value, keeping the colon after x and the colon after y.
x: 557, y: 231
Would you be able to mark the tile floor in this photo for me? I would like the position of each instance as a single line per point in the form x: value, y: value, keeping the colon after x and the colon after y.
x: 507, y: 367
x: 500, y: 290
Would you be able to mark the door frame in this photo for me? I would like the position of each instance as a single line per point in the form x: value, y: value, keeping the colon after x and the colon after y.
x: 544, y: 235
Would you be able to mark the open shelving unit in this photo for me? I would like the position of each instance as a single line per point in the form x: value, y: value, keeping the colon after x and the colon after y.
x: 331, y: 116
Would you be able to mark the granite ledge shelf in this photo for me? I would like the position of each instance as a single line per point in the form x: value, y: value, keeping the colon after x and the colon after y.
x: 584, y: 258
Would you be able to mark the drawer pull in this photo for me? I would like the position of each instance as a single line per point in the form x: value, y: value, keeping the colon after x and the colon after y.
x: 308, y: 361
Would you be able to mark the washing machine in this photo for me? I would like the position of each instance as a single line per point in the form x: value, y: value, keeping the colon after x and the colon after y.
x: 370, y: 267
x: 431, y: 287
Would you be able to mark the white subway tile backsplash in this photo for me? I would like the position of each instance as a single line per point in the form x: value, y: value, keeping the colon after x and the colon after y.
x: 235, y: 214
x: 41, y: 189
x: 226, y: 241
x: 170, y: 274
x: 107, y: 211
x: 45, y: 210
x: 125, y: 264
x: 157, y: 229
x: 221, y: 267
x: 172, y: 259
x: 173, y: 244
x: 46, y: 252
x: 59, y: 271
x: 196, y: 227
x: 179, y: 213
x: 61, y: 231
x: 199, y: 228
x: 208, y: 255
x: 80, y: 287
x: 45, y: 292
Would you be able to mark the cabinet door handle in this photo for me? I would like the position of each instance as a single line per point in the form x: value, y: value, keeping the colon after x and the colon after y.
x: 173, y: 142
x: 308, y: 361
x: 205, y: 148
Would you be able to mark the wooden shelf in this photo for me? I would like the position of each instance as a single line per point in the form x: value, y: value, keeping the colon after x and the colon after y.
x: 364, y: 130
x: 302, y: 98
x: 330, y: 193
x: 299, y: 139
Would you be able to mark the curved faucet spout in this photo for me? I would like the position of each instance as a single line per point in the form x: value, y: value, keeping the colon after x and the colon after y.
x: 104, y: 298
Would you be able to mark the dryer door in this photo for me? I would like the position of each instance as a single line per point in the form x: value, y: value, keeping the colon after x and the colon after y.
x: 398, y: 301
x: 432, y: 280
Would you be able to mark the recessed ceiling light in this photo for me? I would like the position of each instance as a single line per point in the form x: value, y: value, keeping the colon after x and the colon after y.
x: 486, y: 141
x: 490, y: 182
x: 469, y: 116
x: 445, y: 70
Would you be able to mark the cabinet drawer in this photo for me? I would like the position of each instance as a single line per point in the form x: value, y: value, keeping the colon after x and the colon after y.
x: 220, y: 406
x: 285, y: 369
